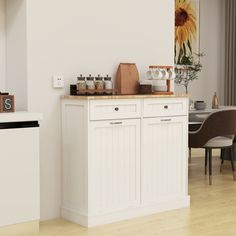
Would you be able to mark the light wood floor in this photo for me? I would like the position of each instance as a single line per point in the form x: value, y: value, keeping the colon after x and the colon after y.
x: 212, y: 212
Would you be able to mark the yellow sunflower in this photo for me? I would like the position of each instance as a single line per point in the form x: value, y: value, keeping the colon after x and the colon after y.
x: 185, y: 22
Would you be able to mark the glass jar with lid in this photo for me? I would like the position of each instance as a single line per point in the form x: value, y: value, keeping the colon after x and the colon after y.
x: 99, y: 84
x: 108, y: 84
x: 90, y: 84
x: 81, y: 84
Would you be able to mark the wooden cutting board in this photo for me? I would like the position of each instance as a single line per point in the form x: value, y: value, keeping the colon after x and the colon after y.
x: 127, y: 79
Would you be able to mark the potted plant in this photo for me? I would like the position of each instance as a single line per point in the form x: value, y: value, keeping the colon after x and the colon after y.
x: 188, y: 70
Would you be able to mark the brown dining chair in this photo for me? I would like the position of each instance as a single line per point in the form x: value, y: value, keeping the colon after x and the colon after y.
x: 216, y: 132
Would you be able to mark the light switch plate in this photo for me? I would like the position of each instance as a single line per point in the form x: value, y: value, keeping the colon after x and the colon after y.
x: 58, y: 81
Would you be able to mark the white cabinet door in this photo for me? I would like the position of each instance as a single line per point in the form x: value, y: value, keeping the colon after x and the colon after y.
x: 164, y: 159
x: 19, y: 176
x: 114, y: 165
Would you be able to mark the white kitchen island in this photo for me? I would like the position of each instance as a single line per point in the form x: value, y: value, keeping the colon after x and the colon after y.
x: 123, y: 157
x: 19, y: 173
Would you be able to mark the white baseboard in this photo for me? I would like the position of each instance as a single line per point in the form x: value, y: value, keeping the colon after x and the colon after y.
x: 91, y: 221
x: 74, y: 216
x: 29, y: 228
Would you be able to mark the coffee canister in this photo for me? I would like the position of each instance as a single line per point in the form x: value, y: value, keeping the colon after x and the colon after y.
x: 108, y: 84
x: 99, y: 84
x: 81, y: 84
x: 90, y: 84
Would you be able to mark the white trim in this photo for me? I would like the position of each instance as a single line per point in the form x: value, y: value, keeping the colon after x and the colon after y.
x: 91, y: 221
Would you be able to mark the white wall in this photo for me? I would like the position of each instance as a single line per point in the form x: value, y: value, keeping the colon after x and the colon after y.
x: 16, y: 52
x: 212, y: 26
x: 2, y: 47
x: 70, y: 37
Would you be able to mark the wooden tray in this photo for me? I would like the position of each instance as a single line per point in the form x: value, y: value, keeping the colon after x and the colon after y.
x: 163, y: 93
x: 90, y: 92
x: 96, y: 92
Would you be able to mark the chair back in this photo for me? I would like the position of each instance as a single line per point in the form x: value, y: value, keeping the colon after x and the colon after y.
x: 220, y: 123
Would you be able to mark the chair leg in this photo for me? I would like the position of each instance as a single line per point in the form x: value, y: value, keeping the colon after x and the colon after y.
x: 222, y: 159
x: 232, y: 162
x: 222, y: 153
x: 206, y: 157
x: 210, y: 165
x: 190, y: 155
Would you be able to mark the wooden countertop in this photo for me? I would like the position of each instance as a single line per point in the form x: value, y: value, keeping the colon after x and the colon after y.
x: 124, y: 96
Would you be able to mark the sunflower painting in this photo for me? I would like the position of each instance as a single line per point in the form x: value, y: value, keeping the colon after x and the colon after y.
x: 186, y: 31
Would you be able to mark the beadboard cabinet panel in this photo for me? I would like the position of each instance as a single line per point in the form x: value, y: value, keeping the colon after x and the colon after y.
x: 115, y: 165
x: 123, y: 158
x: 164, y: 166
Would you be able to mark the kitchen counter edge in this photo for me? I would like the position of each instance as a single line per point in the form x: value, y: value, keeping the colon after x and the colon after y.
x: 139, y: 96
x: 20, y: 116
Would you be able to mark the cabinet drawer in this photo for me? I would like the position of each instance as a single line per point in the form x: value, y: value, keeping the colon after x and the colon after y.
x: 115, y: 109
x: 165, y: 107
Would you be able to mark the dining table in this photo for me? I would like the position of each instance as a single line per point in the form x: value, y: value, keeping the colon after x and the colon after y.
x: 197, y: 117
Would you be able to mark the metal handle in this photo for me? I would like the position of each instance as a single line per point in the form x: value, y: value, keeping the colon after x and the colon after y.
x: 166, y: 120
x: 166, y: 107
x: 117, y: 109
x: 116, y: 123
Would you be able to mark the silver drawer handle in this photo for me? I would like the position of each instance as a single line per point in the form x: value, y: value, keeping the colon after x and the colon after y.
x: 116, y: 123
x: 166, y: 120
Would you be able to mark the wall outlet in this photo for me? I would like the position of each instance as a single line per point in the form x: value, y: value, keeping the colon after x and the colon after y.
x: 58, y: 81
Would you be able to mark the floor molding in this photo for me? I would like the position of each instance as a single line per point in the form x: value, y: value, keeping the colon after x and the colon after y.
x: 91, y: 221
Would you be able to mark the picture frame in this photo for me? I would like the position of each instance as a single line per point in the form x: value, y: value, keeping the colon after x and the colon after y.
x: 198, y: 31
x: 187, y: 30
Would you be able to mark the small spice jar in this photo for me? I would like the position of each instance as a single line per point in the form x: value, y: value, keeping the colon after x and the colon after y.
x: 81, y: 84
x: 108, y: 84
x: 99, y: 84
x: 90, y: 84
